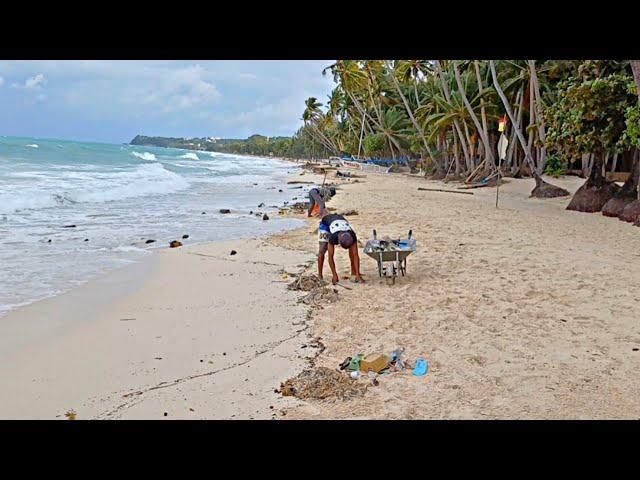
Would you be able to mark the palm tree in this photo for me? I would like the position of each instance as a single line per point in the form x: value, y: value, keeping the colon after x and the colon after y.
x: 311, y: 116
x: 542, y: 188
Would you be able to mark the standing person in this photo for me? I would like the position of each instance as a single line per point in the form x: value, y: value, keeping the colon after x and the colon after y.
x: 335, y: 230
x: 317, y: 198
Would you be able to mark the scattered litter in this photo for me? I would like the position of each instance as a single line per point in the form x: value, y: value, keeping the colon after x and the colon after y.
x: 354, y: 364
x: 374, y: 363
x: 422, y: 367
x: 265, y: 217
x: 355, y: 374
x: 345, y: 363
x: 175, y: 244
x: 225, y: 210
x: 71, y: 415
x: 322, y: 383
x: 396, y: 357
x: 233, y: 252
x: 127, y: 319
x: 185, y: 236
x: 349, y: 213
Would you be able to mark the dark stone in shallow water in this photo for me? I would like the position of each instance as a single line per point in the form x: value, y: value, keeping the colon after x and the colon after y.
x: 261, y: 205
x: 49, y: 241
x: 149, y: 241
x: 250, y: 212
x: 185, y: 236
x: 69, y: 226
x: 225, y: 210
x: 86, y: 239
x: 203, y: 213
x: 280, y: 190
x: 233, y: 252
x: 175, y: 244
x: 265, y: 217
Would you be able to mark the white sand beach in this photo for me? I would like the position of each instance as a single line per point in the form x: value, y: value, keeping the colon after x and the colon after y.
x: 525, y: 311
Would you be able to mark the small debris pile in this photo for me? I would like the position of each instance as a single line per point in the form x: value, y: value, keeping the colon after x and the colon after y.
x: 306, y: 283
x: 320, y: 295
x: 319, y: 291
x: 298, y: 207
x: 322, y: 383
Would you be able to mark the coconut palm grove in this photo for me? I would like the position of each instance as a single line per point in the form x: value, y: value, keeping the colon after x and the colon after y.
x: 444, y: 118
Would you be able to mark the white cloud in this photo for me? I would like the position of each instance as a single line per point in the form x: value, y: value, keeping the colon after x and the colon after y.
x: 34, y: 82
x: 1, y: 81
x: 185, y: 88
x: 31, y: 83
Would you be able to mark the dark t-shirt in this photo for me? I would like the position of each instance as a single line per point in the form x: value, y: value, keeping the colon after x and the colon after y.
x: 336, y: 224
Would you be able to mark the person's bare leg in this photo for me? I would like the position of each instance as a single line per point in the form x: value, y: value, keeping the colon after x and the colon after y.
x: 353, y: 251
x: 321, y: 251
x: 352, y: 260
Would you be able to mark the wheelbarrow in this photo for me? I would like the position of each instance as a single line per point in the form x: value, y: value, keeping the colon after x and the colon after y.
x: 390, y: 255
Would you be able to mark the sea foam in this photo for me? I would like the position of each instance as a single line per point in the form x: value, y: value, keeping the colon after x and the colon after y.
x: 145, y: 156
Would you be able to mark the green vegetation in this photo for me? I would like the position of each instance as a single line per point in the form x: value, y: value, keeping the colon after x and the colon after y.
x: 555, y: 167
x: 443, y: 114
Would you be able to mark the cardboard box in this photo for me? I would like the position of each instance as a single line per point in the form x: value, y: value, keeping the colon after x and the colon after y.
x: 374, y: 363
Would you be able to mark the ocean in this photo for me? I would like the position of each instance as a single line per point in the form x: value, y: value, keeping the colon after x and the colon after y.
x: 118, y: 197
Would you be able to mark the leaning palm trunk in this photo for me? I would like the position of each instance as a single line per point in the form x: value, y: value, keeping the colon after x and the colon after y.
x: 542, y: 160
x: 481, y: 91
x: 483, y: 134
x: 324, y: 139
x: 456, y: 124
x: 375, y: 122
x: 542, y: 189
x: 415, y: 123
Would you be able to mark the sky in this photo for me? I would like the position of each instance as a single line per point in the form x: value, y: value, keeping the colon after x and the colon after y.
x: 113, y: 101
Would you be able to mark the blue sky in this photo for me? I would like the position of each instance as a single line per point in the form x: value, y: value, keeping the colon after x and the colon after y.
x: 112, y: 101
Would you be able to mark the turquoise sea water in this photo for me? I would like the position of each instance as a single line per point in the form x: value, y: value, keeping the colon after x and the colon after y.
x: 118, y: 196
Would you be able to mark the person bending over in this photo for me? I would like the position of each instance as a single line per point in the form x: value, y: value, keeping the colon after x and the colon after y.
x: 335, y: 230
x: 317, y: 198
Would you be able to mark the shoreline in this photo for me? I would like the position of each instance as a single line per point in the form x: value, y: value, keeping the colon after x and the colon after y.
x: 198, y: 320
x: 54, y: 347
x: 43, y: 277
x: 519, y: 311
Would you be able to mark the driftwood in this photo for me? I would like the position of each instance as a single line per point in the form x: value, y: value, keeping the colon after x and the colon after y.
x: 477, y: 185
x: 441, y: 190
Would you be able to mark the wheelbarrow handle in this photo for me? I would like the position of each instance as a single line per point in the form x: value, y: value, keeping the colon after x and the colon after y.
x: 410, y: 232
x: 375, y: 235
